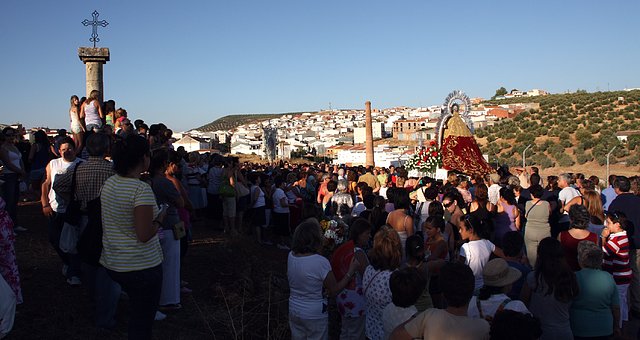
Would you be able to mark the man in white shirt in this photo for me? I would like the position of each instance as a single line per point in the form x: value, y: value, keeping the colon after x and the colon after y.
x: 567, y: 193
x: 494, y: 188
x: 54, y: 207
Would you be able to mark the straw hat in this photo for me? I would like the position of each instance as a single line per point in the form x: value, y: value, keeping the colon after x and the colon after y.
x: 497, y: 273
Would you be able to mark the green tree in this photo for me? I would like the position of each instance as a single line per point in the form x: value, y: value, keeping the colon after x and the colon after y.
x: 633, y: 160
x: 541, y: 160
x: 500, y: 92
x: 565, y: 160
x: 633, y: 142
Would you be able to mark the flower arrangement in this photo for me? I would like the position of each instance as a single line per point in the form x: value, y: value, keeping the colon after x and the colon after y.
x: 428, y: 159
x: 335, y: 233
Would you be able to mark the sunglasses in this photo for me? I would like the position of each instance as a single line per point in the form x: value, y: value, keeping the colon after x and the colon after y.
x: 448, y: 204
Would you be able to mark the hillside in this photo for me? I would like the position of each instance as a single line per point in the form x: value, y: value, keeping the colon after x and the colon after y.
x: 232, y: 121
x: 569, y: 129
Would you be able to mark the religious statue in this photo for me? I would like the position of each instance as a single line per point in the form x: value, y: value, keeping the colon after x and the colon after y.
x: 459, y: 148
x: 455, y: 125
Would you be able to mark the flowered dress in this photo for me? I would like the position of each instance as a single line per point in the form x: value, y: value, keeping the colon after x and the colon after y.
x: 351, y: 301
x: 378, y: 296
x: 8, y: 264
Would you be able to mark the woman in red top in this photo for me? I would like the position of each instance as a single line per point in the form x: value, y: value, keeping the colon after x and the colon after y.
x: 569, y: 239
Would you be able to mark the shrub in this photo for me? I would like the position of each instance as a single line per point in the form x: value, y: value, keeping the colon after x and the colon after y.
x: 541, y: 160
x: 583, y: 158
x: 565, y: 160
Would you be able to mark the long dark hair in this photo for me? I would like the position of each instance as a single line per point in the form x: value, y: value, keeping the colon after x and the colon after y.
x: 508, y: 195
x: 482, y: 195
x: 40, y: 137
x: 128, y: 153
x: 552, y: 269
x: 378, y: 214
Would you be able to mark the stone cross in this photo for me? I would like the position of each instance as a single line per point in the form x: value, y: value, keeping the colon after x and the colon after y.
x: 95, y: 23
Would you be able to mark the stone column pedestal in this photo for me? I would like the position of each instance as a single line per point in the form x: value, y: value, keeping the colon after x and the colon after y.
x: 369, y: 134
x: 94, y: 58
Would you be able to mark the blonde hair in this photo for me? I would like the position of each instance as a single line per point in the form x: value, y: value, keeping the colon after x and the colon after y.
x: 94, y: 95
x: 386, y: 253
x: 593, y: 202
x: 74, y: 106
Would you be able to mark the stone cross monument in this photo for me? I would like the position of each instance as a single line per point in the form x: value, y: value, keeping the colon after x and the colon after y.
x: 94, y: 57
x: 369, y: 134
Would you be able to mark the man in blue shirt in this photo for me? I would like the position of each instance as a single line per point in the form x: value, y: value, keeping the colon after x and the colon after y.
x: 609, y: 194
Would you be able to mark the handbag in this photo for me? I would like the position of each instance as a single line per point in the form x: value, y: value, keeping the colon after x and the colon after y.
x: 179, y: 231
x: 226, y: 190
x: 72, y: 213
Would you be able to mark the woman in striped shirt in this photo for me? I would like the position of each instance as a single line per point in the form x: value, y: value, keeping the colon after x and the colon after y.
x: 131, y: 251
x: 615, y: 245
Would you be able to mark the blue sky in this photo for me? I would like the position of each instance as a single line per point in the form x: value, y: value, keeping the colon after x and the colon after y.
x: 186, y: 63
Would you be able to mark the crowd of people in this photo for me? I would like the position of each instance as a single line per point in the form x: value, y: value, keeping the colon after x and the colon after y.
x: 500, y: 256
x: 562, y: 265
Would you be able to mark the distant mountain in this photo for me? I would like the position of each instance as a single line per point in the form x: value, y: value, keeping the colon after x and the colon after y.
x: 230, y: 122
x: 567, y: 129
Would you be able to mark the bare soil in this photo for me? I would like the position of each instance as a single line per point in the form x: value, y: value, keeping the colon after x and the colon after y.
x: 240, y: 290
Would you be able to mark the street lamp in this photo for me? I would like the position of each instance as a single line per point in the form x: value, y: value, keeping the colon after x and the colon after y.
x: 608, y: 155
x: 524, y: 155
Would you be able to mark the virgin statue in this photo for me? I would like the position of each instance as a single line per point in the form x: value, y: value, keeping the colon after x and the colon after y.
x: 460, y: 150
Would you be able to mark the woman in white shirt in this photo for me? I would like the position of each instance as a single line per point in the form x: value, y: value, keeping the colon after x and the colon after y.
x: 280, y: 213
x: 258, y: 205
x: 309, y: 273
x: 477, y: 251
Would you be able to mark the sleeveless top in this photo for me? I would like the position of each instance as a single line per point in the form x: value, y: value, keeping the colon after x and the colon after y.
x: 73, y: 116
x: 14, y: 157
x: 481, y: 213
x: 58, y: 166
x: 537, y: 215
x: 91, y: 115
x: 260, y: 202
x: 570, y: 246
x: 504, y: 222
